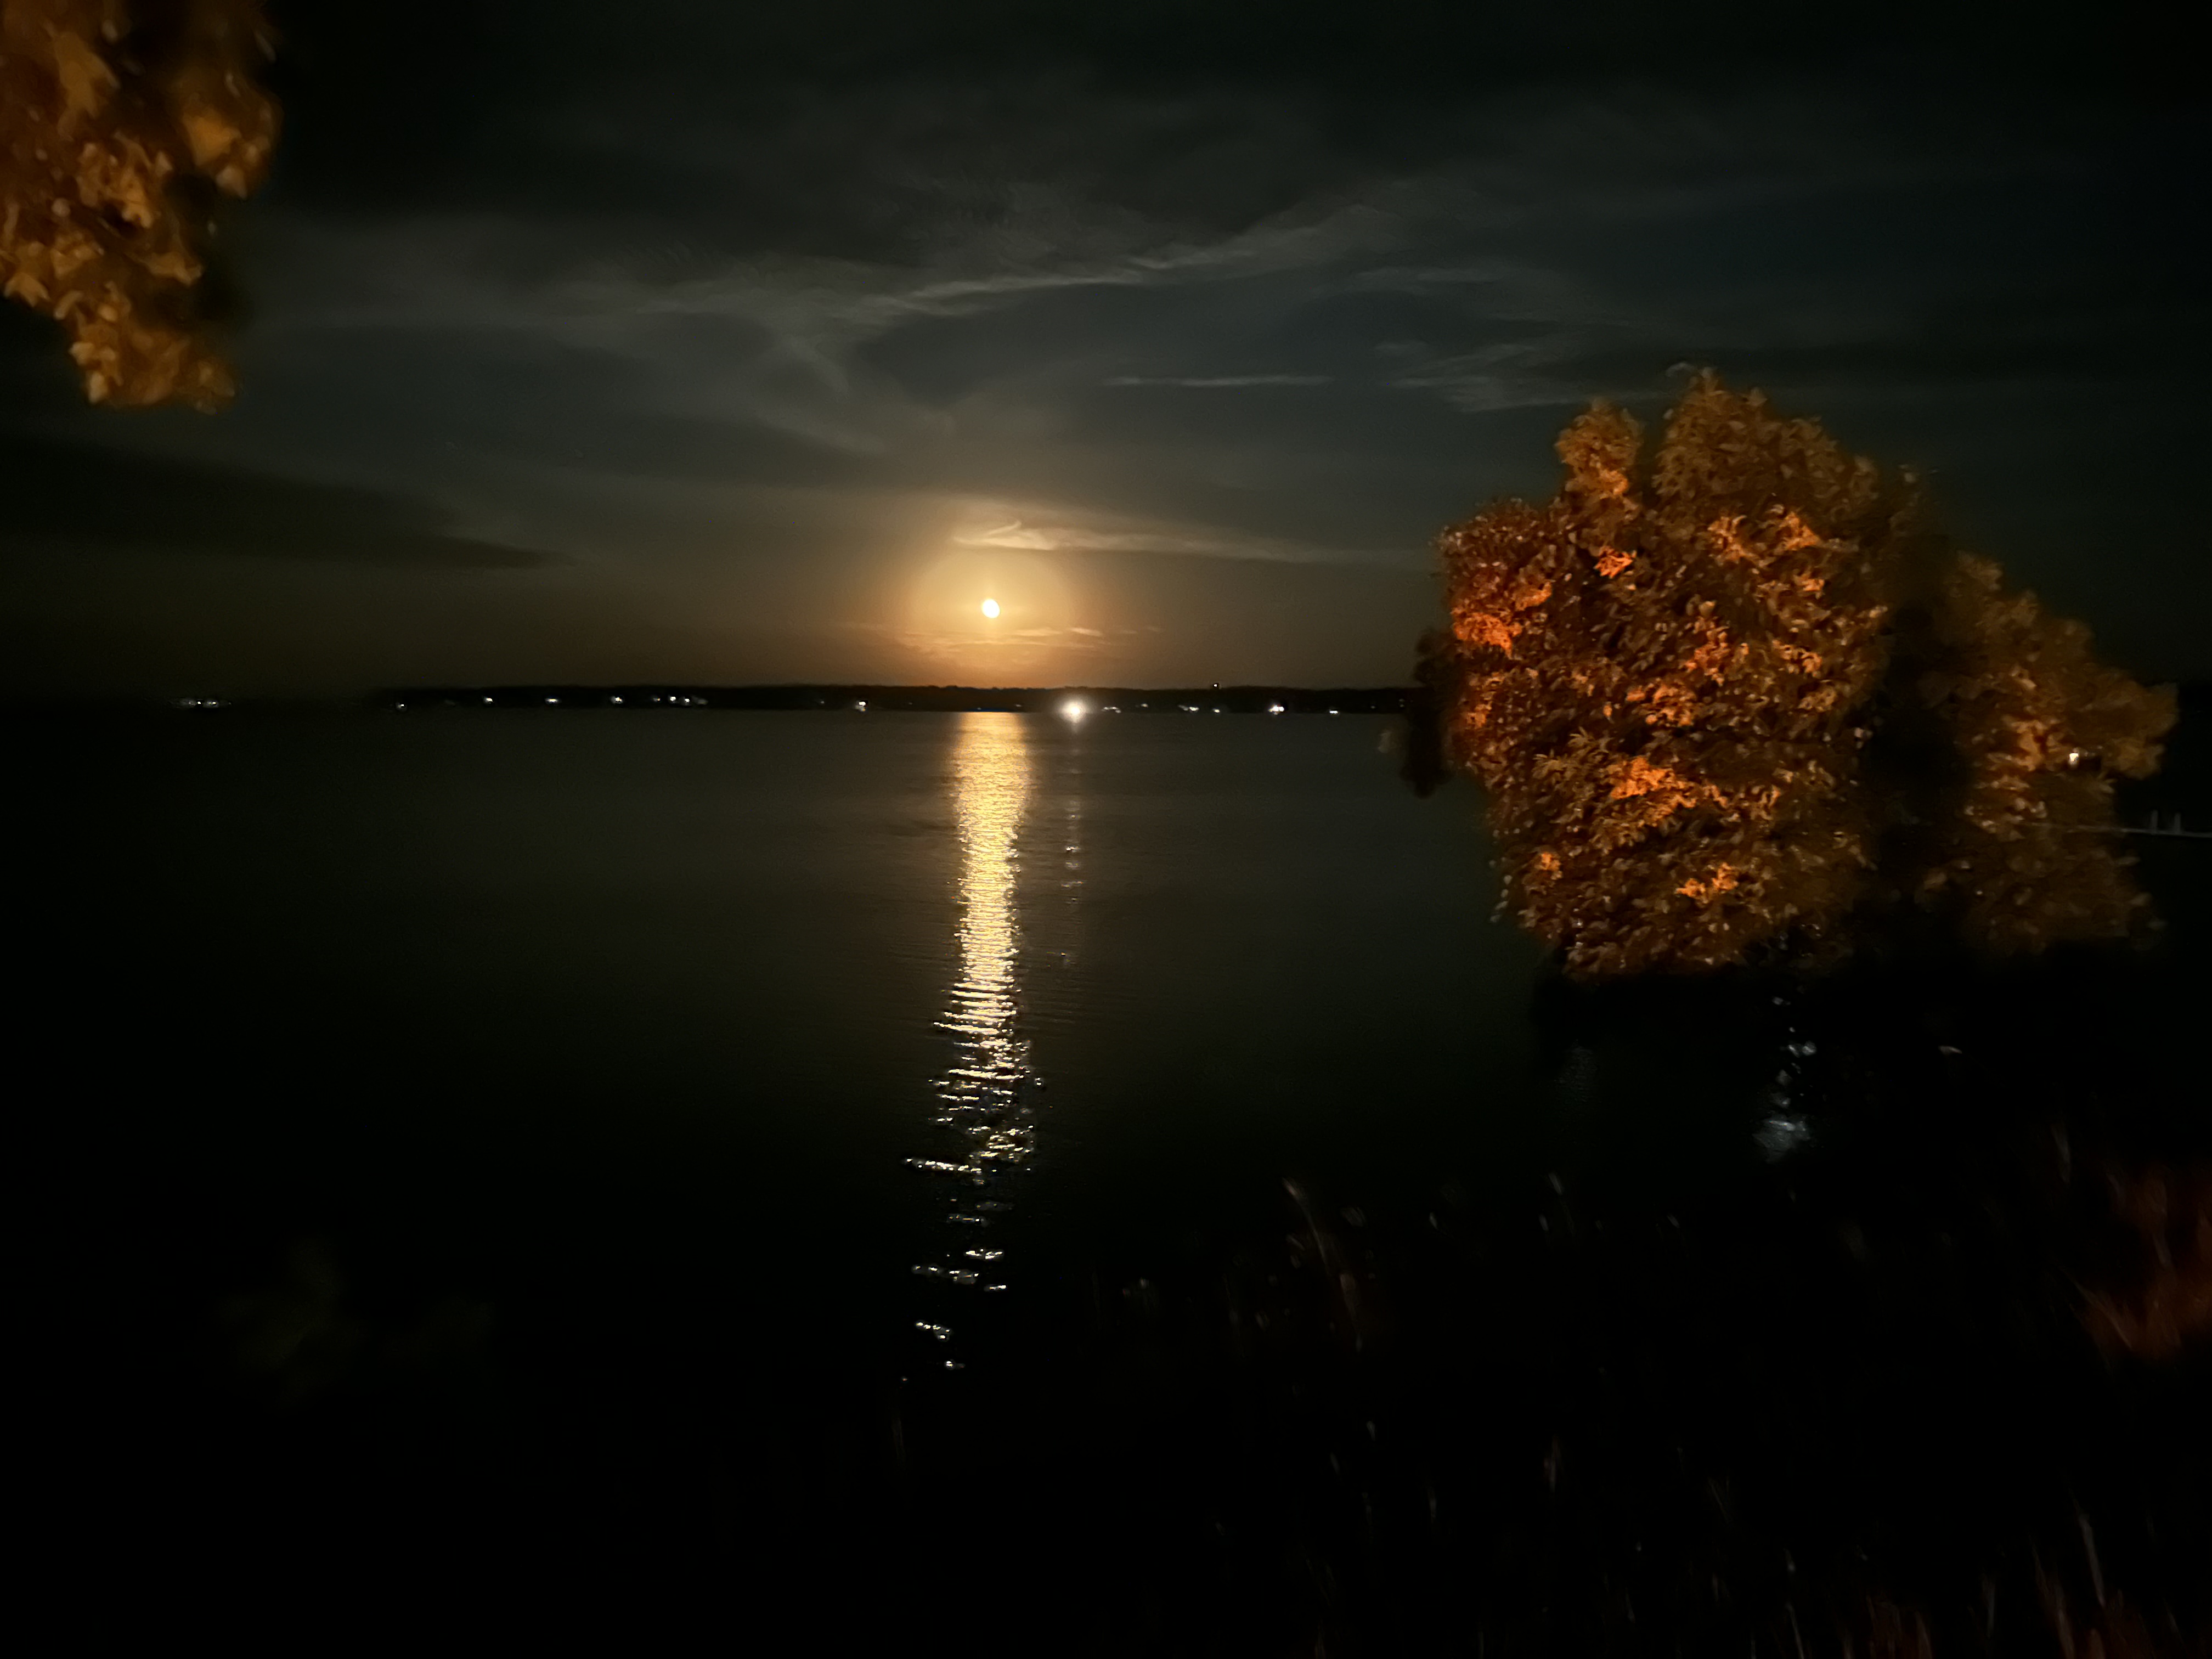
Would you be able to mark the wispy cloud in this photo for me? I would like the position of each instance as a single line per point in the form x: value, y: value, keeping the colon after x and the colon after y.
x: 906, y: 300
x: 1542, y: 373
x: 1061, y: 534
x: 1219, y: 381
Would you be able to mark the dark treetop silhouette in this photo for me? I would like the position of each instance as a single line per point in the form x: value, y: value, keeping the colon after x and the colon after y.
x: 119, y: 122
x: 1734, y: 701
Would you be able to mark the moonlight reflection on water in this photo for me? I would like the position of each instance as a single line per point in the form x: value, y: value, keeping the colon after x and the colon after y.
x: 985, y: 1095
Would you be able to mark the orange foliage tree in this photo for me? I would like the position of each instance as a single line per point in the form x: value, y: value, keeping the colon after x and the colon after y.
x: 1729, y: 699
x: 120, y: 122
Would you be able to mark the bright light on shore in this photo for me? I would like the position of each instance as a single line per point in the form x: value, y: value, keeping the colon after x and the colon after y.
x: 1073, y: 709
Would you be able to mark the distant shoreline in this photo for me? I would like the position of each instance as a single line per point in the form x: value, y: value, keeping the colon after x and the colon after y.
x: 932, y: 699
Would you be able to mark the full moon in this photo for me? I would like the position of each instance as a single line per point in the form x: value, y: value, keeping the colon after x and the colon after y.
x: 990, y: 607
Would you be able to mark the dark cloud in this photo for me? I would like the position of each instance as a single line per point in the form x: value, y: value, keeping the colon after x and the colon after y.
x: 77, y: 494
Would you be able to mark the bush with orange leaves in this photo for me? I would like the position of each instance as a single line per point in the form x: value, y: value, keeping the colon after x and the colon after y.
x: 1730, y: 700
x: 120, y: 121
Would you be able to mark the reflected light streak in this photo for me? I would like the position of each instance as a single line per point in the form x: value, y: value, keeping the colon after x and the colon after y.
x: 984, y: 1095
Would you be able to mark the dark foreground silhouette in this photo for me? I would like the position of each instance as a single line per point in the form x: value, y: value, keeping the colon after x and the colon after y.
x: 1870, y: 1318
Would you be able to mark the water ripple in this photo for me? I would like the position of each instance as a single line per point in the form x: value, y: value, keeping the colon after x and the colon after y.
x: 985, y: 1095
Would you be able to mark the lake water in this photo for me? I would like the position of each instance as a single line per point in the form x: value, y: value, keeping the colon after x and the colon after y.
x: 547, y: 964
x: 711, y: 1050
x: 592, y: 1135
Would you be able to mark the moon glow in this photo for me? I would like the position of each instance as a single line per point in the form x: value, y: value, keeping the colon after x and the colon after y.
x: 991, y: 615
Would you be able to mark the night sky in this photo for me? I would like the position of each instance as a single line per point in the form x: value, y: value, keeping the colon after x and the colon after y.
x: 688, y: 342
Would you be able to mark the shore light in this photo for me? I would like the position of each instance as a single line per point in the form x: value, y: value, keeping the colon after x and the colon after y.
x: 1073, y: 709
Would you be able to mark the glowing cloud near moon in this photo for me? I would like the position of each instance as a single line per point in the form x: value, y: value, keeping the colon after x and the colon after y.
x: 995, y: 616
